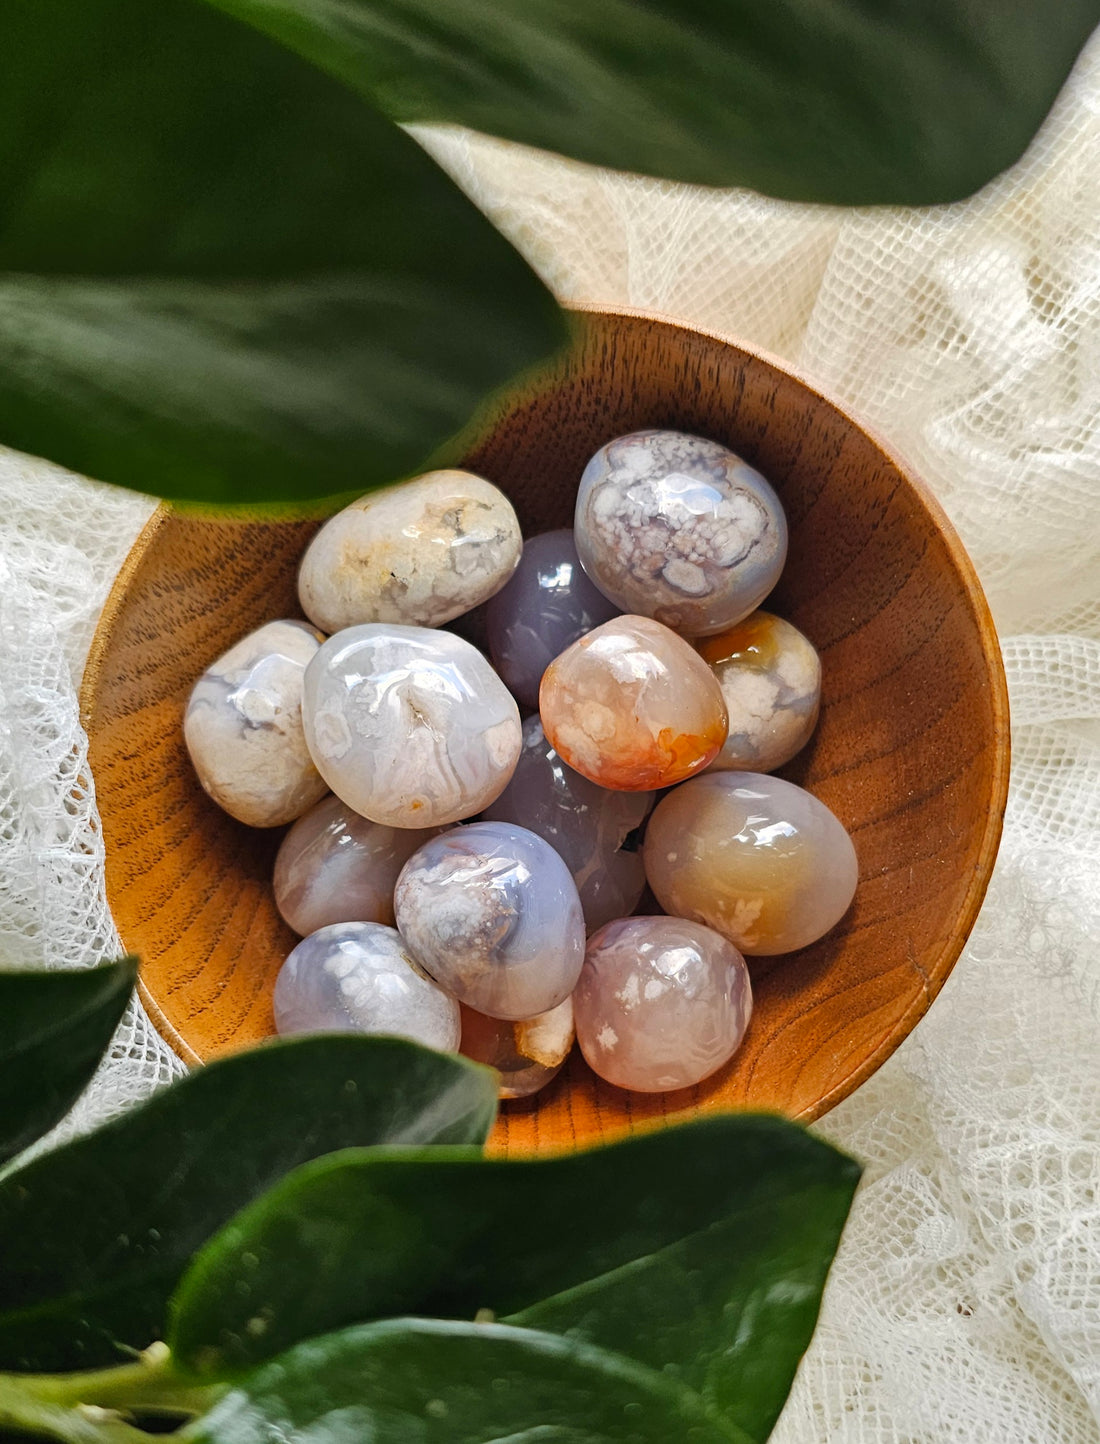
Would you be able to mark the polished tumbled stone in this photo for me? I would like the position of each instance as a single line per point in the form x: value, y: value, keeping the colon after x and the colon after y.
x: 679, y: 528
x: 334, y: 867
x: 547, y: 604
x: 527, y: 1054
x: 632, y: 706
x: 762, y: 861
x: 661, y: 1003
x: 360, y: 978
x: 770, y: 676
x: 410, y: 727
x: 491, y: 911
x: 243, y: 726
x: 592, y: 828
x: 419, y: 553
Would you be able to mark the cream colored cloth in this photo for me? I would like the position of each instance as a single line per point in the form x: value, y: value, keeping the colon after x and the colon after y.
x: 965, y: 1303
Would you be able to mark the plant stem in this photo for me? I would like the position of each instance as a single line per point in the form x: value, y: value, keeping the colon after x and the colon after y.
x: 88, y: 1407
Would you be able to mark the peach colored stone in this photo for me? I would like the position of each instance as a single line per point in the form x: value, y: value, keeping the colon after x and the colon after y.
x: 633, y: 706
x: 527, y: 1054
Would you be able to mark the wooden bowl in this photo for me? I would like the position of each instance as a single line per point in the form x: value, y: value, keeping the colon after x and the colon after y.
x: 911, y: 752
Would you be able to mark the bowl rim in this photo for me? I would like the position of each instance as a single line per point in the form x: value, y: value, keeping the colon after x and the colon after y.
x: 933, y: 978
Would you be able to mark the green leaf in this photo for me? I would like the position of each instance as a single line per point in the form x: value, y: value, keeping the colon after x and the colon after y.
x: 701, y: 1250
x: 425, y: 1381
x: 855, y: 101
x: 54, y: 1029
x: 223, y: 275
x: 95, y: 1235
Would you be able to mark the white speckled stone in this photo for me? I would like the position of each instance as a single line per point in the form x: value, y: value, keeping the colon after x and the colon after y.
x: 335, y: 867
x: 492, y: 913
x: 661, y: 1003
x: 410, y: 727
x: 527, y: 1054
x: 360, y: 978
x: 243, y: 726
x: 419, y: 553
x: 770, y: 676
x: 762, y: 861
x: 680, y: 529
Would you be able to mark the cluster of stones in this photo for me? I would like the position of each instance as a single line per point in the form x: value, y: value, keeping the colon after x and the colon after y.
x: 468, y: 879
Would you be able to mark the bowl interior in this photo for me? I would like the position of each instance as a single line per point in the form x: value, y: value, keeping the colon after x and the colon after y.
x: 911, y: 752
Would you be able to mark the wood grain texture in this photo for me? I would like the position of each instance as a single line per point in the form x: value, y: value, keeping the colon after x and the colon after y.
x: 911, y: 752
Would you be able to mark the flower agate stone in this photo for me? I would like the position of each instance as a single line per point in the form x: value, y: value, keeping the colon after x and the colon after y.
x: 589, y: 827
x: 548, y: 604
x: 661, y: 1003
x: 527, y: 1054
x: 243, y: 727
x: 632, y: 706
x: 680, y: 529
x: 360, y: 978
x: 755, y: 857
x: 410, y: 727
x: 336, y: 867
x: 420, y: 553
x: 770, y: 676
x: 491, y: 911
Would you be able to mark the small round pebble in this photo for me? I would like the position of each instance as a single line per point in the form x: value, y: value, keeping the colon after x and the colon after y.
x: 632, y: 706
x: 770, y: 676
x: 548, y: 604
x: 243, y: 726
x: 335, y: 867
x: 491, y: 912
x: 360, y: 978
x: 661, y: 1004
x: 410, y: 727
x: 527, y: 1054
x: 420, y: 553
x: 591, y: 828
x: 762, y: 861
x: 679, y: 528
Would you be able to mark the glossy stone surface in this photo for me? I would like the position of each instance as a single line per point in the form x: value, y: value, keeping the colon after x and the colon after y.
x: 755, y: 857
x: 243, y: 726
x: 770, y: 676
x: 334, y: 867
x: 360, y: 978
x: 410, y: 727
x: 586, y: 825
x: 419, y: 553
x: 527, y: 1054
x: 548, y: 604
x: 633, y: 706
x: 679, y: 528
x: 491, y: 911
x: 661, y: 1004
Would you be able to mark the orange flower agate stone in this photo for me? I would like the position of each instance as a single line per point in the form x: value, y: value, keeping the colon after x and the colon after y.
x: 632, y: 706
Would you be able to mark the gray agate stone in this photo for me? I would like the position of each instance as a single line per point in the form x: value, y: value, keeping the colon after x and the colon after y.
x: 243, y: 727
x: 661, y: 1003
x: 334, y: 866
x: 680, y: 529
x: 360, y: 978
x: 410, y: 727
x: 421, y: 553
x: 546, y: 606
x: 491, y: 912
x: 590, y: 827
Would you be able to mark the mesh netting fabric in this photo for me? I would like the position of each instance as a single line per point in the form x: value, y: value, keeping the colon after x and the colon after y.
x: 965, y: 1302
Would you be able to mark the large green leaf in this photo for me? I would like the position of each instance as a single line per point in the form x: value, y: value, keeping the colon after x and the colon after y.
x: 95, y: 1235
x: 426, y: 1381
x: 54, y: 1029
x: 701, y: 1250
x: 853, y: 101
x: 225, y: 277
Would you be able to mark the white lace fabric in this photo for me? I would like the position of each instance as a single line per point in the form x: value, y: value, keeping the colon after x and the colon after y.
x: 965, y: 1302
